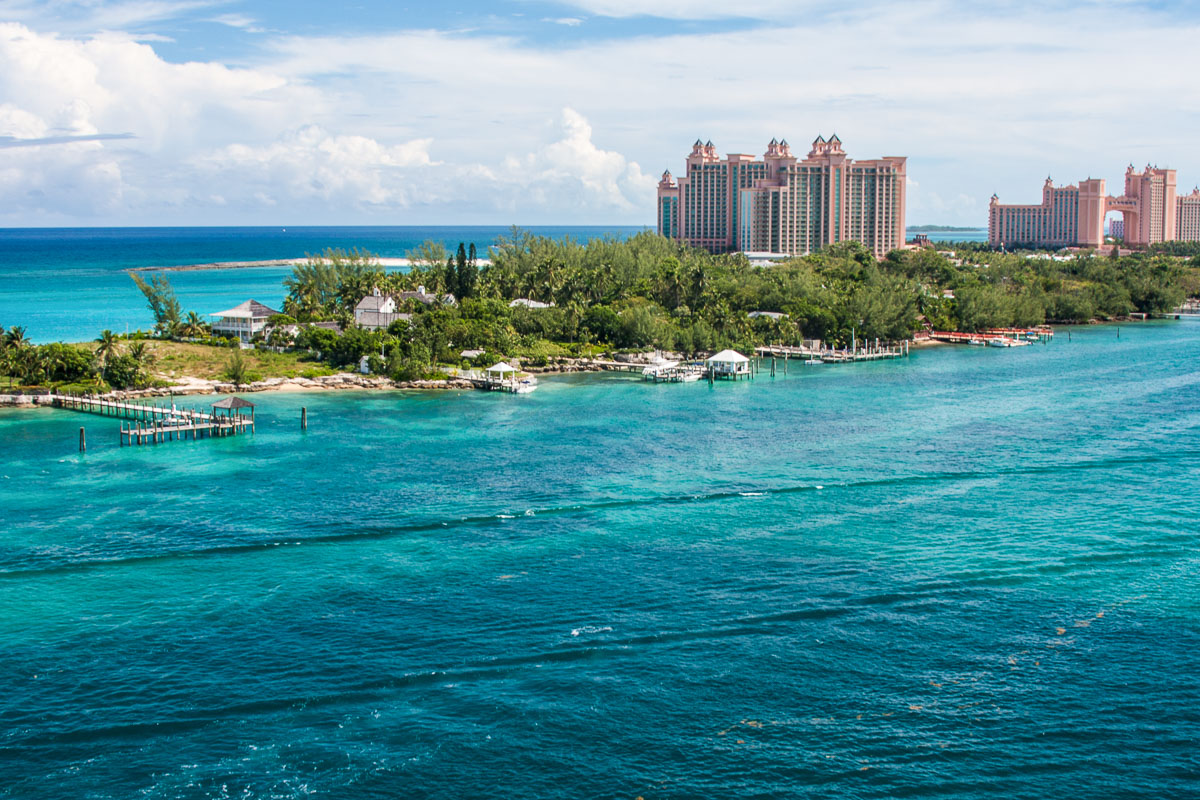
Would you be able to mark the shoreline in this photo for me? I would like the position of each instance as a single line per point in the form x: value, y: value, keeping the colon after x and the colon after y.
x: 342, y: 381
x: 273, y: 262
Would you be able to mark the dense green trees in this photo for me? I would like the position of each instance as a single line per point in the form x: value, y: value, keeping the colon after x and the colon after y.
x: 647, y: 291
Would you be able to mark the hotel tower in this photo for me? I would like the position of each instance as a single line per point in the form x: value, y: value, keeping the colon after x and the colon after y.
x: 782, y: 204
x: 1073, y: 216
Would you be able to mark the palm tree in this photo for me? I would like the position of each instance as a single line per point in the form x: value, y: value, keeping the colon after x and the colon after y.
x: 193, y: 326
x: 107, y: 348
x: 15, y: 338
x: 14, y: 349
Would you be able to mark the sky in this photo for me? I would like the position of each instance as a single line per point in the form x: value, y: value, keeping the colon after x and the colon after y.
x: 366, y: 112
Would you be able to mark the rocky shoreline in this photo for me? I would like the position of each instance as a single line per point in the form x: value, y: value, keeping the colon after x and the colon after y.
x: 342, y: 381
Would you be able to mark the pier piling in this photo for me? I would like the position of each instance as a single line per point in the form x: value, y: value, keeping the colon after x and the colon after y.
x: 82, y: 441
x: 303, y: 418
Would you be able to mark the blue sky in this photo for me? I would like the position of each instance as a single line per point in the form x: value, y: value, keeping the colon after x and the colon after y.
x: 148, y: 112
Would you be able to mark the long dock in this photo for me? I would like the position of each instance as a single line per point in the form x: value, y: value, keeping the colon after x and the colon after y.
x: 829, y: 355
x: 125, y: 409
x: 152, y: 424
x: 167, y: 431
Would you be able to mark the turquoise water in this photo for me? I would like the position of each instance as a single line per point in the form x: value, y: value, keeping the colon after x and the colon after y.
x: 969, y: 574
x: 68, y: 284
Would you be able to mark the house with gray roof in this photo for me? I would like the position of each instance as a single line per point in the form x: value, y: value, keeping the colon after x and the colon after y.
x: 377, y: 311
x: 242, y: 321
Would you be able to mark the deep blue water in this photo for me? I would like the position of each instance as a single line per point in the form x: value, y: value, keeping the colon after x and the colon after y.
x: 70, y: 283
x: 970, y: 574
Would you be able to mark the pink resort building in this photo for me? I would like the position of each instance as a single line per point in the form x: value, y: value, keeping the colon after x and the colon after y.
x: 783, y: 204
x: 1187, y: 216
x: 1073, y: 216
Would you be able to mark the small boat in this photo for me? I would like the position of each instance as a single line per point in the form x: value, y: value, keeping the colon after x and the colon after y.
x: 813, y: 361
x: 526, y: 386
x: 1000, y: 343
x: 976, y: 342
x: 689, y: 377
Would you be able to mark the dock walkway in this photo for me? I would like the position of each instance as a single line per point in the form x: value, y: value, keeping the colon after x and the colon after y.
x: 152, y: 424
x: 834, y: 356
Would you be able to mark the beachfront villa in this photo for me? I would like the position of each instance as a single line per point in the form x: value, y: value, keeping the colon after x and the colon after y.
x: 242, y: 321
x: 728, y: 364
x: 1074, y: 216
x: 781, y: 205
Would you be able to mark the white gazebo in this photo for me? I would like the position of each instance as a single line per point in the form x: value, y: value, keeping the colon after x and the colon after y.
x: 728, y: 364
x: 501, y: 369
x: 243, y: 321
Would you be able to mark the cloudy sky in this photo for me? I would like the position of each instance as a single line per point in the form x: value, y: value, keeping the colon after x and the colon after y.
x: 211, y: 112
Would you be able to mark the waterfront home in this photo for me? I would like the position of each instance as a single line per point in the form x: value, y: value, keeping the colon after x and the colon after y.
x: 243, y: 321
x: 377, y: 311
x: 728, y: 364
x: 525, y: 302
x: 767, y: 314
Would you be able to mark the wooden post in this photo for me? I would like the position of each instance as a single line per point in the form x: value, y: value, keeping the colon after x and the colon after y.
x: 303, y: 418
x: 82, y: 441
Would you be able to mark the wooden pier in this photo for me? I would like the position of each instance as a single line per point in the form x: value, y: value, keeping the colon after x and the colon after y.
x: 169, y: 430
x: 833, y: 356
x: 152, y: 424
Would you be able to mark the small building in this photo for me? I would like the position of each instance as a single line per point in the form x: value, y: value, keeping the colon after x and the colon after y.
x: 422, y: 296
x: 525, y: 302
x: 501, y: 369
x: 767, y: 314
x: 728, y: 364
x: 243, y: 321
x: 765, y: 259
x: 471, y: 354
x: 377, y: 311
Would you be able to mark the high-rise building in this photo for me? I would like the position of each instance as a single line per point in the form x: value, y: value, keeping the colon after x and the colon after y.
x: 1187, y: 217
x: 782, y: 204
x: 1073, y: 216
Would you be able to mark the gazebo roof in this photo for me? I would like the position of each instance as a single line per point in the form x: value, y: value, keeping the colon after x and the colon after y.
x: 231, y: 403
x: 728, y: 357
x: 502, y: 367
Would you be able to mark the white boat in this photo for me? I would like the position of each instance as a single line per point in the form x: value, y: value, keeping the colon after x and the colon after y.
x: 813, y: 361
x: 689, y: 377
x: 526, y: 386
x: 1000, y: 343
x: 976, y: 342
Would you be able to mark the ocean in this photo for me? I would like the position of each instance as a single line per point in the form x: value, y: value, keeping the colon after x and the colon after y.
x: 967, y: 574
x: 68, y: 284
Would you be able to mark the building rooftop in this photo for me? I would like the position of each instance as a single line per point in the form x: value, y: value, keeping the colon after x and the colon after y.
x: 251, y: 309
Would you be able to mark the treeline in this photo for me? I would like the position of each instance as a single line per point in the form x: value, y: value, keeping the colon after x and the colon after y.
x: 648, y: 291
x: 106, y: 365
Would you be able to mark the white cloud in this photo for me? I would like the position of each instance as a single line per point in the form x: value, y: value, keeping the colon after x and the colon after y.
x: 570, y: 22
x: 575, y: 170
x: 312, y: 163
x: 980, y: 100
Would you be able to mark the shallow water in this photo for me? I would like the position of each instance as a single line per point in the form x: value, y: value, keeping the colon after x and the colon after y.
x: 967, y: 574
x: 68, y: 284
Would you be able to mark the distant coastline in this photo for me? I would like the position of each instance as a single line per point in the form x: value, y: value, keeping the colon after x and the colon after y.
x: 278, y: 262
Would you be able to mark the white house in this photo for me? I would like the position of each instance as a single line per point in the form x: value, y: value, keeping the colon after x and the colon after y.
x: 242, y: 321
x: 377, y: 311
